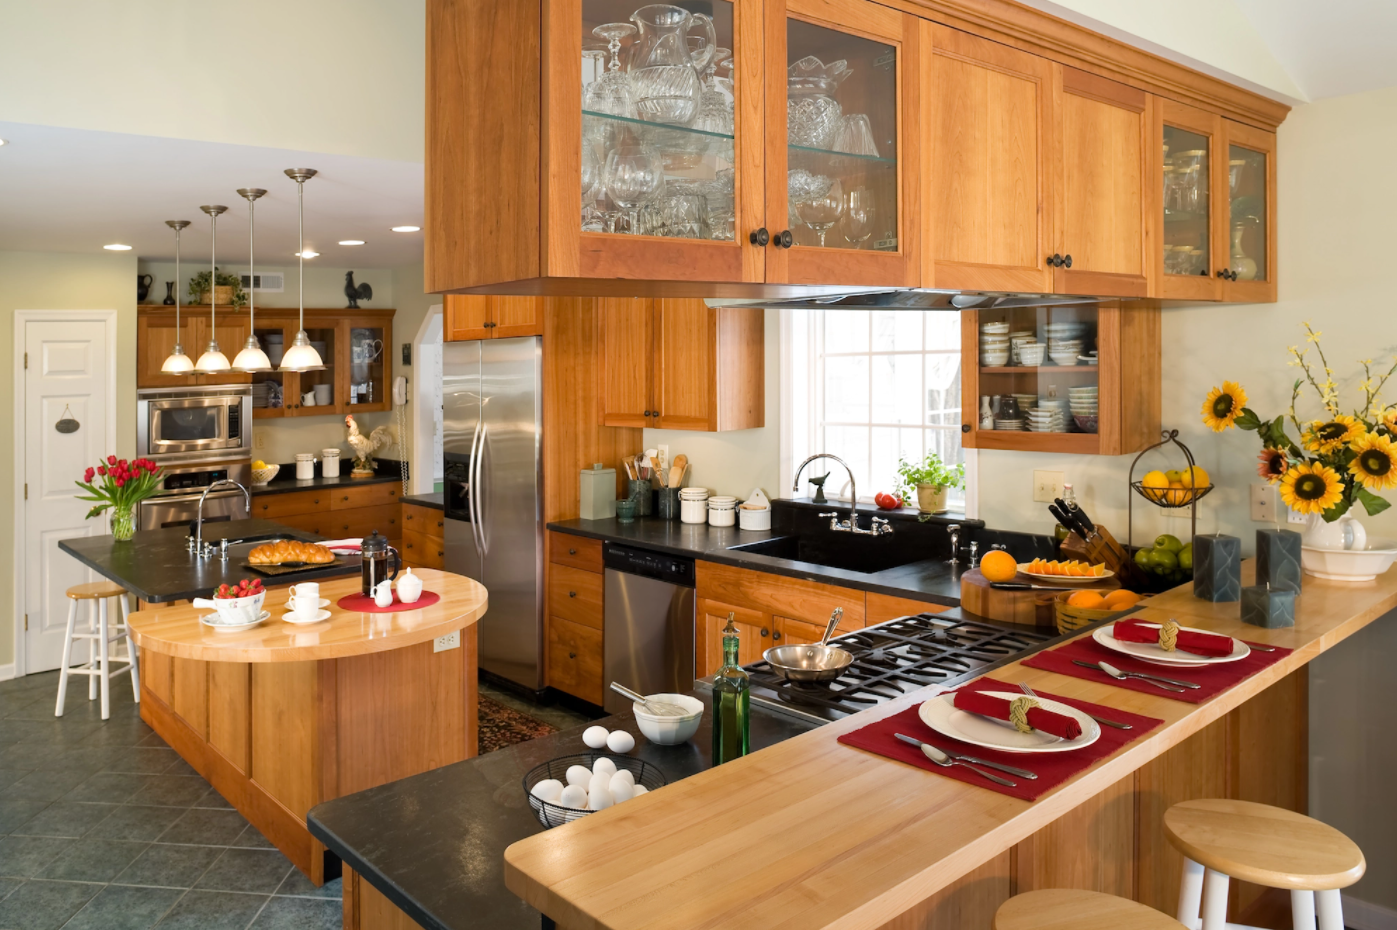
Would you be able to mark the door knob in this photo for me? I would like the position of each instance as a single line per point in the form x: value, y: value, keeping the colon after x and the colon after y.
x: 784, y: 239
x: 1067, y: 261
x: 572, y: 594
x: 759, y: 236
x: 765, y: 632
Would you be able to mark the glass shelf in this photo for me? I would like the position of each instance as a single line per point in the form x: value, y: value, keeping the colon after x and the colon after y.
x: 869, y: 159
x: 655, y: 133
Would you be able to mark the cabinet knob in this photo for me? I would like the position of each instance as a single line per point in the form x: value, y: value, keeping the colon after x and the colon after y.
x: 784, y: 239
x: 572, y: 594
x: 965, y: 427
x: 572, y: 655
x: 759, y: 236
x: 1067, y: 261
x: 776, y: 636
x: 572, y: 552
x: 647, y: 413
x: 346, y: 497
x: 765, y: 632
x: 1055, y: 260
x: 655, y: 413
x: 440, y: 553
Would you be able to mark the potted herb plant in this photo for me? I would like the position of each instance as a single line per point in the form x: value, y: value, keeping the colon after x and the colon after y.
x: 228, y: 288
x: 931, y: 480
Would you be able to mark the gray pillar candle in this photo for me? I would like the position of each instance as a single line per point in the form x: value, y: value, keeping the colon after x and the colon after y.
x: 1270, y: 608
x: 1278, y: 559
x: 1217, y: 567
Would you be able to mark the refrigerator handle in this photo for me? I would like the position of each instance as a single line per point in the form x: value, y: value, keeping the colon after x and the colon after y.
x: 478, y: 499
x: 473, y: 476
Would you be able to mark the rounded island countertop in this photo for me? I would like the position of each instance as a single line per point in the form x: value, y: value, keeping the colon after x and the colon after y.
x: 176, y: 630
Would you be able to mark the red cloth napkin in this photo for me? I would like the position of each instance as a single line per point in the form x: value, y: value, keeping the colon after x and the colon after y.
x: 363, y: 604
x: 977, y: 702
x: 1052, y: 768
x: 1200, y: 644
x: 1214, y: 679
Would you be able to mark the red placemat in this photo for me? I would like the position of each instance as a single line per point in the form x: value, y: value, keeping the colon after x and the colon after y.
x: 1214, y: 679
x: 363, y: 604
x: 1053, y: 768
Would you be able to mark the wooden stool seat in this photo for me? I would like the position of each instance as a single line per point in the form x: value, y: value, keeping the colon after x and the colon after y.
x: 95, y: 590
x: 1070, y: 909
x: 1264, y: 845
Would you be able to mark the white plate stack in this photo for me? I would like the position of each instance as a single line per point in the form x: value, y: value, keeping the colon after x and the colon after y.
x: 1084, y: 405
x: 994, y: 345
x: 1047, y: 420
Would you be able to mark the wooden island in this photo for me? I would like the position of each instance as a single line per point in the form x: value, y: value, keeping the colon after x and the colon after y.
x: 281, y: 717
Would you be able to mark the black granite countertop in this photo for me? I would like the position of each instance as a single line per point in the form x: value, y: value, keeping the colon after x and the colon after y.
x: 433, y: 500
x: 155, y: 566
x: 434, y: 843
x: 280, y: 485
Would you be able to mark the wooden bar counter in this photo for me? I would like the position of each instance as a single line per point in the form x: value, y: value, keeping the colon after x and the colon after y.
x: 281, y: 717
x: 812, y: 834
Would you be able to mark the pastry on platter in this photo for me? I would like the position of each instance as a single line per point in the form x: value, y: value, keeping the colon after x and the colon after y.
x: 290, y: 550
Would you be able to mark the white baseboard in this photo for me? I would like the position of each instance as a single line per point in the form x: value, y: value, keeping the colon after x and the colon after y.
x: 1360, y: 915
x: 7, y: 672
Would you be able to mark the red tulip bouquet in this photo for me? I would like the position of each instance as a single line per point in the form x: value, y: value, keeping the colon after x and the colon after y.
x: 123, y: 485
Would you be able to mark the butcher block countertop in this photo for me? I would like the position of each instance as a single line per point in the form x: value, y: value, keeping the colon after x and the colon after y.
x: 810, y: 833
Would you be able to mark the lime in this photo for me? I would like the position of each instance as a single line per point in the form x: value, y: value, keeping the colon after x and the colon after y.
x: 1163, y: 561
x: 1186, y: 558
x: 1166, y: 541
x: 1142, y: 558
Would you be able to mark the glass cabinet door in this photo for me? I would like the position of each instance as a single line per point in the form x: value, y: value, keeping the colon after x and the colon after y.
x: 1245, y: 230
x: 368, y: 367
x: 1188, y: 175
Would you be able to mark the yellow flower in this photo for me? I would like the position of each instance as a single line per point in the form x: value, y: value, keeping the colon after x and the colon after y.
x: 1389, y: 420
x: 1223, y: 405
x: 1375, y: 466
x: 1311, y: 487
x: 1324, y: 437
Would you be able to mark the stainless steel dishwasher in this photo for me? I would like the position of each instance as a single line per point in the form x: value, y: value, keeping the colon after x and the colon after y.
x: 648, y: 623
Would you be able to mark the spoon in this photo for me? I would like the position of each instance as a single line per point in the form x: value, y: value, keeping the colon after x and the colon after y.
x: 1118, y: 674
x: 940, y: 758
x: 655, y: 708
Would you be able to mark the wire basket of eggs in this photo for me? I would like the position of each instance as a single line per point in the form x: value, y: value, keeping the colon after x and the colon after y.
x: 569, y: 788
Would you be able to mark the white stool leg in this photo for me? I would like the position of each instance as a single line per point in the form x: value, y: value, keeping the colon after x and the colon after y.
x: 1302, y: 910
x: 104, y: 647
x: 1190, y: 893
x: 124, y: 604
x: 92, y: 650
x: 67, y: 657
x: 1215, y: 900
x: 1331, y: 909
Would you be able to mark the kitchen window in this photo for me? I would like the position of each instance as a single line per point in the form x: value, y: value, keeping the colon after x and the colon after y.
x: 870, y: 387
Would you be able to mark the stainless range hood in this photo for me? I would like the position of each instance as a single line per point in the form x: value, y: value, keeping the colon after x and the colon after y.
x: 913, y: 299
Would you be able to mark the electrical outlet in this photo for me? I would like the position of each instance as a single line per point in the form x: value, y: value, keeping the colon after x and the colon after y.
x: 259, y: 440
x: 451, y: 640
x: 1047, y: 485
x: 664, y: 455
x: 1294, y: 516
x: 1263, y: 503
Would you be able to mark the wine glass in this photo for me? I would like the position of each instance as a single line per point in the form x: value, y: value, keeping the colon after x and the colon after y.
x: 611, y: 93
x: 859, y: 214
x: 591, y: 187
x: 633, y: 175
x: 822, y: 211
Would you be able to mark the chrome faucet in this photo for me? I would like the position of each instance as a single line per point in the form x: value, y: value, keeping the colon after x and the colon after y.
x: 196, y: 540
x: 880, y: 527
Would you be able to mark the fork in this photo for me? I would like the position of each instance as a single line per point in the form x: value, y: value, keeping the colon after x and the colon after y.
x: 1023, y: 686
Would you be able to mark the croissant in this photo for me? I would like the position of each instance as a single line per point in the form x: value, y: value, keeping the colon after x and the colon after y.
x: 289, y: 550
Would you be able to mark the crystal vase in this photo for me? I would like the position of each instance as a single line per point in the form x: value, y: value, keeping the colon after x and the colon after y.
x: 124, y: 522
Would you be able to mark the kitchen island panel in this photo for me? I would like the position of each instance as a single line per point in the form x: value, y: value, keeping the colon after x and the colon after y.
x: 1091, y: 847
x: 230, y: 709
x: 970, y: 901
x: 189, y: 693
x: 283, y: 732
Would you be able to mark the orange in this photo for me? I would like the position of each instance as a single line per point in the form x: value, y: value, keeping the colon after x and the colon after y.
x: 998, y: 565
x: 1087, y: 600
x: 1177, y: 494
x: 1121, y: 600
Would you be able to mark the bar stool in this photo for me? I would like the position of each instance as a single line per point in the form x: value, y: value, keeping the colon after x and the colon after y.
x: 1264, y: 845
x: 1071, y: 909
x: 98, y: 665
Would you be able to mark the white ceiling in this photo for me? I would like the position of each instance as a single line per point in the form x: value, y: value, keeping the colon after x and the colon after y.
x: 75, y: 190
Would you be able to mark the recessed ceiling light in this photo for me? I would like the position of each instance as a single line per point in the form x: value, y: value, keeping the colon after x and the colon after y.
x: 308, y: 253
x: 351, y: 242
x: 406, y: 228
x: 117, y: 247
x: 4, y: 141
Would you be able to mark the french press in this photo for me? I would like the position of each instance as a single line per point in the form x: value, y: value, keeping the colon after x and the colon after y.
x: 374, y: 562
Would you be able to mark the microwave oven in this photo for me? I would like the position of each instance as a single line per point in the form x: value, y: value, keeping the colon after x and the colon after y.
x: 194, y: 422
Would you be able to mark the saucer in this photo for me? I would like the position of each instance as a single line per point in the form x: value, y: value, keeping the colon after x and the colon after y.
x: 324, y: 602
x: 232, y: 627
x: 320, y: 615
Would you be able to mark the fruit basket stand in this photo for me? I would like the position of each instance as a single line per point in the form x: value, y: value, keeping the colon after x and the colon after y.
x: 1165, y: 498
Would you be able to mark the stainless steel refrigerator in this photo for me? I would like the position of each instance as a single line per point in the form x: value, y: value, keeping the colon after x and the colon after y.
x: 492, y: 419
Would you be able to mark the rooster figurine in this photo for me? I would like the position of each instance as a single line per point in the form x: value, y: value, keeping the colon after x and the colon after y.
x: 354, y: 292
x: 365, y: 446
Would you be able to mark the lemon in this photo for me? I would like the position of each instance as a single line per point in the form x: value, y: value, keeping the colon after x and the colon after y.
x: 259, y: 464
x: 1172, y: 474
x: 1194, y: 477
x: 1155, y: 479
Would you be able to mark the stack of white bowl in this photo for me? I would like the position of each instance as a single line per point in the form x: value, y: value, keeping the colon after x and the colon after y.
x: 1047, y: 420
x: 1026, y: 401
x: 1027, y: 350
x: 994, y: 345
x: 1084, y: 406
x: 1066, y: 340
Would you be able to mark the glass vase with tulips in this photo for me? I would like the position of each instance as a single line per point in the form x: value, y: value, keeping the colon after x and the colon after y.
x: 123, y: 484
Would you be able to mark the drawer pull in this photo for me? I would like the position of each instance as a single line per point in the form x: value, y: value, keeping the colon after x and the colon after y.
x: 572, y: 594
x: 572, y: 655
x: 570, y: 551
x: 440, y: 553
x: 346, y: 497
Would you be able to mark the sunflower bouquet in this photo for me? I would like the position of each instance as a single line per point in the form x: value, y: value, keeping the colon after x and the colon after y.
x: 1339, y: 460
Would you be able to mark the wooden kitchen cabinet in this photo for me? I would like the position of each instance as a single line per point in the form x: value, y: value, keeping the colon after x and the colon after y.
x: 673, y: 363
x: 754, y: 632
x: 477, y: 317
x: 575, y: 599
x: 155, y: 339
x: 1246, y: 228
x: 1186, y: 172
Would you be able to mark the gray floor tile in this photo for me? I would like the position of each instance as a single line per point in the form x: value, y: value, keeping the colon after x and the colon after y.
x: 10, y: 776
x: 65, y: 818
x: 253, y: 838
x: 171, y: 790
x: 300, y: 914
x: 213, y: 799
x: 107, y: 788
x: 45, y: 905
x: 213, y: 910
x: 152, y: 739
x: 168, y: 866
x: 133, y: 822
x: 93, y: 861
x: 259, y: 871
x: 7, y: 885
x: 44, y: 786
x: 16, y: 811
x: 147, y: 760
x: 27, y: 856
x: 297, y: 885
x: 121, y: 908
x: 205, y: 828
x: 180, y: 767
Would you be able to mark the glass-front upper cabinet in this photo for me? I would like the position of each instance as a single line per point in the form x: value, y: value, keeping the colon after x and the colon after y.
x: 841, y: 89
x: 1246, y: 227
x: 369, y: 366
x: 1186, y: 263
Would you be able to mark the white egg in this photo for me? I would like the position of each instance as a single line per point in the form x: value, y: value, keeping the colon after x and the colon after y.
x: 620, y: 741
x: 550, y: 789
x: 595, y: 737
x: 600, y: 782
x: 641, y: 789
x: 599, y: 800
x: 622, y: 791
x: 604, y: 765
x: 623, y: 777
x: 579, y: 775
x: 575, y: 797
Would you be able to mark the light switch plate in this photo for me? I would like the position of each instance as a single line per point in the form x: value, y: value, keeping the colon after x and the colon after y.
x: 259, y: 439
x: 1047, y: 486
x: 1263, y: 503
x: 451, y: 640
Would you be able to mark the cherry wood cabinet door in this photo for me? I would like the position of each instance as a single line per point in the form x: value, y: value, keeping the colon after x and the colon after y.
x: 754, y: 629
x: 1102, y: 225
x: 627, y: 360
x: 1246, y: 226
x: 466, y: 316
x: 990, y: 124
x: 1188, y: 178
x: 686, y: 383
x: 516, y: 316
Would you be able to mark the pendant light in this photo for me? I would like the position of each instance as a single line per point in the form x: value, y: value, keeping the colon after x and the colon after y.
x: 213, y: 360
x: 177, y: 363
x: 301, y: 355
x: 251, y: 358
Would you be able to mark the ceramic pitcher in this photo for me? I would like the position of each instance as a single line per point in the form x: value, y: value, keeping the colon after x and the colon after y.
x: 1344, y: 533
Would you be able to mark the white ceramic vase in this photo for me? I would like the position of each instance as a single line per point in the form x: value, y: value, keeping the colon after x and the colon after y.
x: 1344, y: 533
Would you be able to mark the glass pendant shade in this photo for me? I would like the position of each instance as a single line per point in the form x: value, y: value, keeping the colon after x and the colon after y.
x: 301, y: 355
x: 252, y: 358
x: 177, y: 363
x: 213, y: 360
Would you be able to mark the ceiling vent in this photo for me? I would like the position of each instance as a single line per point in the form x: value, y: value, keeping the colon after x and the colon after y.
x: 273, y: 282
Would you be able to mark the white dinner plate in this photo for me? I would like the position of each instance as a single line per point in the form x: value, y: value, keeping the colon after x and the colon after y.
x: 1063, y: 579
x: 231, y: 627
x: 324, y: 602
x: 941, y: 715
x: 320, y: 615
x: 1153, y: 652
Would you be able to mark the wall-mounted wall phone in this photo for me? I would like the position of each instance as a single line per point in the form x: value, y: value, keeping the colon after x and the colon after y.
x: 399, y: 391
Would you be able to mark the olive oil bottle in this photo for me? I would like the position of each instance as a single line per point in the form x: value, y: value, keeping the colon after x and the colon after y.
x: 731, y: 698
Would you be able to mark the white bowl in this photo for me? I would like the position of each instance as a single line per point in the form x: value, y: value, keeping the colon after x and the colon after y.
x: 261, y: 476
x: 669, y: 731
x: 234, y: 610
x: 1349, y: 564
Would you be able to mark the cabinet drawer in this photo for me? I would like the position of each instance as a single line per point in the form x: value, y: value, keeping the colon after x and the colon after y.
x: 321, y: 523
x: 369, y: 495
x: 422, y: 550
x: 386, y: 519
x: 577, y: 551
x: 424, y: 520
x: 276, y: 506
x: 575, y: 595
x: 574, y: 659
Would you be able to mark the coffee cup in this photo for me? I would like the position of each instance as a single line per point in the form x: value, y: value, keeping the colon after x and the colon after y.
x: 307, y: 588
x: 305, y: 607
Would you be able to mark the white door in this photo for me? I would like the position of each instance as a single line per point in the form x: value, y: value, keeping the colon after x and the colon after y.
x: 67, y: 365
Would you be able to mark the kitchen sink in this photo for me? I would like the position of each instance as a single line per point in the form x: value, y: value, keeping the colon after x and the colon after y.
x: 864, y: 554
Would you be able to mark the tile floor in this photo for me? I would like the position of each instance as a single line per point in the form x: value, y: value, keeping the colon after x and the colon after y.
x: 103, y: 827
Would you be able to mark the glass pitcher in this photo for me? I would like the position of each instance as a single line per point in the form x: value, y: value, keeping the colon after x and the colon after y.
x: 664, y: 71
x: 812, y: 114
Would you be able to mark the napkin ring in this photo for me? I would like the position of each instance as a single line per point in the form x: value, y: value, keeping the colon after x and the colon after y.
x: 1169, y: 636
x: 1018, y: 713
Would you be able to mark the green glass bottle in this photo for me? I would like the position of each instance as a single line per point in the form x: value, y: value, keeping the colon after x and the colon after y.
x: 731, y: 696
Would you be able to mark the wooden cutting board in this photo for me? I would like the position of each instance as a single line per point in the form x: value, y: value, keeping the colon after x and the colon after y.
x: 1030, y: 608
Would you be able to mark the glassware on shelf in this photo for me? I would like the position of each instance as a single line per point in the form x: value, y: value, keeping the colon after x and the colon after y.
x: 611, y: 94
x: 720, y: 206
x: 859, y: 215
x: 715, y: 106
x: 822, y: 211
x: 855, y: 136
x: 813, y: 116
x: 801, y: 185
x: 592, y: 219
x: 664, y: 70
x: 633, y: 175
x: 1234, y: 174
x: 593, y: 67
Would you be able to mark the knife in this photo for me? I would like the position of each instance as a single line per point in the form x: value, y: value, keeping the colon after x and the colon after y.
x: 1063, y: 519
x: 1169, y: 684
